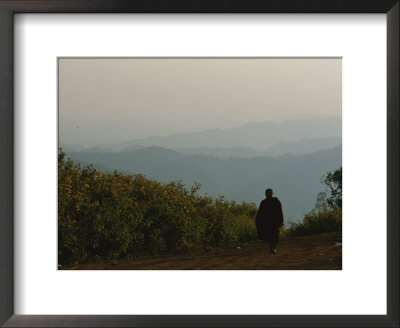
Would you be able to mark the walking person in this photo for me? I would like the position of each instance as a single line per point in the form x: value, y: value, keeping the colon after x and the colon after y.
x: 269, y: 219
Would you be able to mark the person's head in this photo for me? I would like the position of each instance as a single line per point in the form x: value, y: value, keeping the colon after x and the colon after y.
x: 269, y: 193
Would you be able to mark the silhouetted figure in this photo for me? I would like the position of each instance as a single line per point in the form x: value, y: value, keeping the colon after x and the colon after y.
x: 269, y: 219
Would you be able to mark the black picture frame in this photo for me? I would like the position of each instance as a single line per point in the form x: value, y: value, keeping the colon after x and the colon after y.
x: 10, y: 7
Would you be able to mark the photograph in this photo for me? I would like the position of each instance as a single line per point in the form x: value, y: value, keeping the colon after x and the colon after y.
x: 199, y: 163
x: 181, y: 163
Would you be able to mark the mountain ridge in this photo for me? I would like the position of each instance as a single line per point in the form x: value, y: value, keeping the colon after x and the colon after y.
x: 257, y: 135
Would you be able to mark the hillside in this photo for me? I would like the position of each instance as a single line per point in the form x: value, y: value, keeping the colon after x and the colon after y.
x: 295, y: 178
x: 302, y: 146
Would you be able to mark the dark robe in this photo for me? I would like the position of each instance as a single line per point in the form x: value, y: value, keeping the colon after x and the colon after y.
x: 269, y: 219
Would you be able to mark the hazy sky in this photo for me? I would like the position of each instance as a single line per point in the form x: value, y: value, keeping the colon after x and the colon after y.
x: 108, y: 100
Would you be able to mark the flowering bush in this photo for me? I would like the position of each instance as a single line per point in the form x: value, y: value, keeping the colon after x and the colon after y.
x: 113, y: 215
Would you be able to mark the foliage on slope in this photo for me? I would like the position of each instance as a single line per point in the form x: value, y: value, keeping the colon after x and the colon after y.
x: 113, y: 215
x: 320, y: 220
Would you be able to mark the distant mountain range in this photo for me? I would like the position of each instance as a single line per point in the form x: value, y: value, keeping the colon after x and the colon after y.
x: 256, y: 135
x: 253, y: 139
x: 294, y: 178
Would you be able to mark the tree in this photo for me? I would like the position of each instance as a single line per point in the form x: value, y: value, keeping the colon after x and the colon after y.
x: 333, y: 180
x: 321, y: 200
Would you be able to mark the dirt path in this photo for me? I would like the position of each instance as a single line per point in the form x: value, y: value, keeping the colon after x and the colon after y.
x: 316, y: 252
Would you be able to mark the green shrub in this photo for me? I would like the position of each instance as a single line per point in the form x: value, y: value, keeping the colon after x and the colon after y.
x: 325, y: 219
x: 106, y: 216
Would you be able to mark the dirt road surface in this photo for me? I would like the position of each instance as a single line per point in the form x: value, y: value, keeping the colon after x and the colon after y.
x: 315, y: 252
